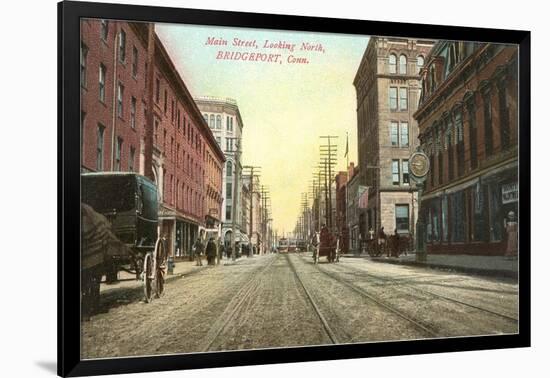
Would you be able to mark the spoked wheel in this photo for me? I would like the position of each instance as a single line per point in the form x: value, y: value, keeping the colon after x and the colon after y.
x: 148, y: 276
x: 161, y: 257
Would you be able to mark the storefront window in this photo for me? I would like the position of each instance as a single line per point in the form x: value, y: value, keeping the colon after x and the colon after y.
x: 444, y: 219
x: 457, y: 213
x: 479, y: 224
x: 402, y: 218
x: 435, y: 217
x: 496, y: 218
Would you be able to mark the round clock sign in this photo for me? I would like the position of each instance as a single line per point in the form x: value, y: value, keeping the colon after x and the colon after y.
x: 419, y: 164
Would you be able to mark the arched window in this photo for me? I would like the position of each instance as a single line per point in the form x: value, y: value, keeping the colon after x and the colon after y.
x: 229, y: 169
x: 419, y: 62
x: 205, y: 116
x: 402, y: 64
x: 211, y: 121
x: 393, y: 64
x: 218, y: 122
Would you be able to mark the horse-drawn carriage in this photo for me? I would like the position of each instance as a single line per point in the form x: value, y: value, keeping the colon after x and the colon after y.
x: 120, y: 233
x: 327, y: 246
x: 393, y: 245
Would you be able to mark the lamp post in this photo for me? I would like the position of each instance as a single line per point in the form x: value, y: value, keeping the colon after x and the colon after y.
x: 235, y: 202
x: 419, y: 167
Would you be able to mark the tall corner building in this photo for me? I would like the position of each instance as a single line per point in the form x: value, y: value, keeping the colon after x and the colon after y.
x: 388, y: 90
x: 224, y: 119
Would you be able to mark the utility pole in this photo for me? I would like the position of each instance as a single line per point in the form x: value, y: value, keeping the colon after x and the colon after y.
x: 304, y: 217
x: 251, y: 191
x: 264, y: 196
x: 328, y: 152
x: 235, y: 203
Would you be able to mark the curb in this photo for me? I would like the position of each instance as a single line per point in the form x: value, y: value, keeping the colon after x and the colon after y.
x: 461, y: 269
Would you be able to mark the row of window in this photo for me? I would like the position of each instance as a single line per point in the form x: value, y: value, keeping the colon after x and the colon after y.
x: 453, y: 53
x: 400, y: 172
x: 448, y: 134
x: 119, y: 146
x: 121, y: 57
x: 399, y: 103
x: 102, y: 74
x: 175, y: 114
x: 104, y: 35
x: 472, y: 215
x: 403, y: 64
x: 183, y: 123
x: 191, y: 200
x: 399, y: 134
x: 215, y: 122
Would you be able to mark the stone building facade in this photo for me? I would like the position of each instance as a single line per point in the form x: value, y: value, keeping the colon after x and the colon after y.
x: 255, y: 212
x: 354, y: 191
x: 341, y: 209
x: 138, y: 115
x: 225, y: 122
x: 388, y: 89
x: 468, y: 120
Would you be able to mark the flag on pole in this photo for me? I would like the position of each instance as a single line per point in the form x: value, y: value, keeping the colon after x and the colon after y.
x: 363, y: 197
x: 346, y: 154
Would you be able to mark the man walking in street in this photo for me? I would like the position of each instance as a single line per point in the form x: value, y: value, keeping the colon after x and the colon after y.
x: 198, y: 249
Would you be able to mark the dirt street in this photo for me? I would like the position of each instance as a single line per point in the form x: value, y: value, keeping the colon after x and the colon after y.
x: 285, y: 300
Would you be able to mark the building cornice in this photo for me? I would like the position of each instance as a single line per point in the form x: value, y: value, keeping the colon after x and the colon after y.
x: 456, y: 80
x: 223, y: 102
x: 169, y: 69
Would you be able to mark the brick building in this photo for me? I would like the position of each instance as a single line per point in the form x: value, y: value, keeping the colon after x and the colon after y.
x: 387, y: 84
x: 354, y: 192
x: 125, y: 67
x: 341, y: 180
x: 468, y: 120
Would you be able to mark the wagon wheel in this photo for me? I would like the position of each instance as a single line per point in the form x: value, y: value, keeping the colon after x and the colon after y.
x: 148, y: 276
x: 161, y: 257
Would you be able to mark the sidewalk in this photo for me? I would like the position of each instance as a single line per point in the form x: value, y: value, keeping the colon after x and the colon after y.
x: 496, y: 266
x: 182, y: 268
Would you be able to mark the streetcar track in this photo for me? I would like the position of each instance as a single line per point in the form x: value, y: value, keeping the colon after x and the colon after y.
x: 326, y: 326
x: 428, y: 292
x: 404, y: 280
x: 162, y: 326
x: 425, y: 328
x: 227, y: 315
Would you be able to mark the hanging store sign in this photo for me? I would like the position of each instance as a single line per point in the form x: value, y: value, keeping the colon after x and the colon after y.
x: 510, y: 193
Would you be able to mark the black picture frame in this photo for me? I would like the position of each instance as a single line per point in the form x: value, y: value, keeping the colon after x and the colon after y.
x: 69, y: 326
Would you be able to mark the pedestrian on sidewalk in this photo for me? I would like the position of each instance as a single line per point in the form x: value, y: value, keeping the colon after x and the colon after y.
x: 237, y: 250
x: 382, y: 242
x: 198, y: 249
x: 221, y: 250
x: 211, y: 252
x: 395, y: 244
x: 511, y: 227
x: 228, y: 251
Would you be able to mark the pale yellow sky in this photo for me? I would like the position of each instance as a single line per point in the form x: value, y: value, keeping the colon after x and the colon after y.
x: 285, y: 107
